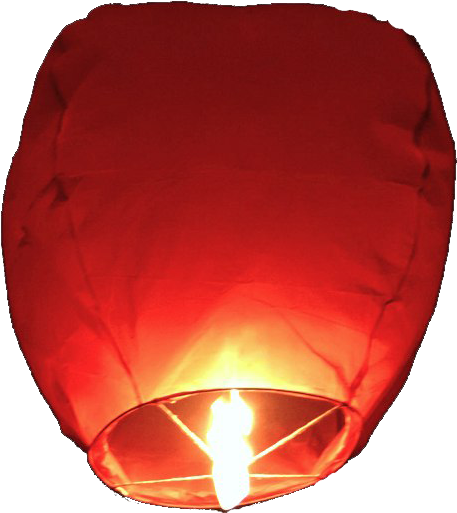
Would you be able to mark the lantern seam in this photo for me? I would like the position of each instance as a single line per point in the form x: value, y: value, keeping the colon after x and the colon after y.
x: 340, y: 376
x: 79, y: 256
x: 99, y: 315
x: 308, y: 344
x: 417, y: 133
x: 308, y: 313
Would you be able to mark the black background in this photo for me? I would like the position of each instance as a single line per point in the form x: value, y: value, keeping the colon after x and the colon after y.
x: 403, y: 466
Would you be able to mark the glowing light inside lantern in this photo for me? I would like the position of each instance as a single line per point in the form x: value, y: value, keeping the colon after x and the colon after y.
x: 231, y: 454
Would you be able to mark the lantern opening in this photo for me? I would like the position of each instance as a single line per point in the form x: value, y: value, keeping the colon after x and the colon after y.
x: 168, y: 452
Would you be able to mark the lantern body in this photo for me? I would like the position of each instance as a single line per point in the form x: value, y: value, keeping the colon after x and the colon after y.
x: 208, y: 198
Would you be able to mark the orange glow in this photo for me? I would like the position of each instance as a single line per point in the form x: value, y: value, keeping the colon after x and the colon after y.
x: 231, y: 454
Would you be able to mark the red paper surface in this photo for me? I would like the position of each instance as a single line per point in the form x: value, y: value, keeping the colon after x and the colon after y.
x: 210, y: 197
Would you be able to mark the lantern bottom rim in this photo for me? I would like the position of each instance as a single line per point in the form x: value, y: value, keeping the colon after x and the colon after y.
x: 157, y: 452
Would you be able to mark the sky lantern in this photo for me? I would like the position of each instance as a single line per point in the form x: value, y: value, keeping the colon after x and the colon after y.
x: 224, y: 234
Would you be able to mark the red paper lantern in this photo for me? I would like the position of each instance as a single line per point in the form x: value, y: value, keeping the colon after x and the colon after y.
x: 224, y: 233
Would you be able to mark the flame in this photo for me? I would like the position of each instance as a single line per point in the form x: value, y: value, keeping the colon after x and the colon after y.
x: 231, y: 454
